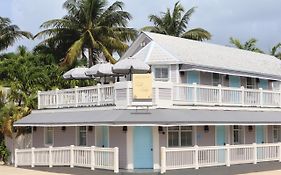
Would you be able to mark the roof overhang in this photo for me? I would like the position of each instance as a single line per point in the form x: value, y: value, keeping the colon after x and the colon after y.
x: 153, y: 117
x: 189, y: 67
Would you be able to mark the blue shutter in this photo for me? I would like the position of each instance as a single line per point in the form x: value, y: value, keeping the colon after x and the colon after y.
x: 192, y: 77
x: 263, y: 84
x: 234, y: 81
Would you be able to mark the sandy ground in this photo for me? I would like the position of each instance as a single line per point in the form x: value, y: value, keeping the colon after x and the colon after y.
x: 7, y: 170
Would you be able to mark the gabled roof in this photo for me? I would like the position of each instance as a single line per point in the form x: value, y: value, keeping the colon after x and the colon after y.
x: 164, y: 49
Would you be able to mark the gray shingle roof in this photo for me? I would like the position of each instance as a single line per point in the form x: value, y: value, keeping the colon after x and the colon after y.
x: 164, y: 49
x: 151, y: 117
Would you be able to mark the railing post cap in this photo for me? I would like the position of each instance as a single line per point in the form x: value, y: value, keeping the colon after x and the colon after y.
x: 219, y: 85
x: 227, y: 144
x: 195, y: 146
x: 194, y: 83
x: 260, y: 88
x: 71, y: 145
x: 32, y: 148
x: 76, y: 87
x: 242, y: 87
x: 93, y: 147
x: 50, y: 146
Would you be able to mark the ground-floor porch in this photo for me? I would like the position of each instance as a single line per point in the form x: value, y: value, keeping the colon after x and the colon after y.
x: 151, y: 147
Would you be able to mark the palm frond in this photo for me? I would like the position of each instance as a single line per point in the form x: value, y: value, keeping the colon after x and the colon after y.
x: 198, y: 34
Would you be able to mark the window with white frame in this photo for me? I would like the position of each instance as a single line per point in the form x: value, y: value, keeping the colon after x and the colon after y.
x: 238, y: 135
x: 216, y: 79
x: 49, y: 136
x: 82, y: 136
x: 276, y: 134
x: 251, y: 83
x: 161, y: 73
x: 179, y: 136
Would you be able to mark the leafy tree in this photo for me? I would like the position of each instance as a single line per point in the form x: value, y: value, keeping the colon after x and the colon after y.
x: 276, y: 51
x: 10, y: 33
x: 248, y: 45
x: 175, y: 23
x: 89, y: 25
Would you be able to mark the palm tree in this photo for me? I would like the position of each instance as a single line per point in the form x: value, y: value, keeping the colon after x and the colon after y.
x: 90, y: 25
x: 248, y: 45
x: 274, y: 51
x: 10, y: 33
x: 175, y: 23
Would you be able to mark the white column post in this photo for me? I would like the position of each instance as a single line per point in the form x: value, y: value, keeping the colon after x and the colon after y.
x: 16, y: 157
x: 32, y: 157
x: 57, y: 97
x: 195, y: 93
x: 255, y: 153
x: 227, y: 159
x: 99, y: 94
x: 128, y: 93
x: 279, y: 143
x: 242, y: 95
x: 163, y: 160
x: 71, y: 156
x: 220, y: 94
x: 93, y: 163
x: 196, y: 157
x: 50, y: 157
x: 280, y: 97
x: 261, y: 97
x: 39, y: 99
x: 116, y: 160
x: 76, y: 95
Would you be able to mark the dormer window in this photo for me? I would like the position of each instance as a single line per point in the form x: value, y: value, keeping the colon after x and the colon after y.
x: 161, y: 73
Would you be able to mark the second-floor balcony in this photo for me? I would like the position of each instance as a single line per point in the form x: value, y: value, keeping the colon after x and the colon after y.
x: 164, y: 95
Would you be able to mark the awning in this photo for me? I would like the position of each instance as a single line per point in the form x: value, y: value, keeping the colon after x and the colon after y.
x: 152, y: 117
x: 187, y: 67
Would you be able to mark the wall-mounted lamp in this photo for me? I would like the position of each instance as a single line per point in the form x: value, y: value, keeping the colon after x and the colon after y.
x: 90, y: 128
x: 63, y: 128
x: 34, y: 128
x: 161, y: 130
x: 250, y: 128
x: 125, y: 129
x: 206, y: 128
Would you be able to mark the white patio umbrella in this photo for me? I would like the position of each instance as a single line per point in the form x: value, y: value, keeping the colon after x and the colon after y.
x: 76, y: 73
x: 100, y: 70
x: 131, y: 66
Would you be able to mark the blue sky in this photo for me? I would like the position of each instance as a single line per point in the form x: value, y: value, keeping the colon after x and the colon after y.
x: 239, y: 18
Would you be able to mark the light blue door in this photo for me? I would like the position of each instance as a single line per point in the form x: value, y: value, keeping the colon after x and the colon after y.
x: 263, y: 84
x: 192, y: 77
x: 260, y: 134
x: 220, y: 141
x: 234, y: 81
x: 102, y: 136
x: 143, y: 152
x: 259, y: 139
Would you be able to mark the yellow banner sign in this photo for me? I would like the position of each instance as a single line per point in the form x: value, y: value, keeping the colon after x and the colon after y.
x: 142, y: 86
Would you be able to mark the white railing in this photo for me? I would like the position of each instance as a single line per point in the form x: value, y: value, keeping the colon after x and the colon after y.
x: 193, y: 94
x: 164, y: 94
x: 99, y: 95
x: 90, y: 157
x: 195, y: 157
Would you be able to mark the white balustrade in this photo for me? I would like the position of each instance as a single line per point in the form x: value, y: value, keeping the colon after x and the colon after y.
x: 188, y: 94
x: 195, y: 157
x: 89, y: 157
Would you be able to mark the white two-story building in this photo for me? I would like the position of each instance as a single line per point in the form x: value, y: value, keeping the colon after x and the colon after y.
x: 211, y: 105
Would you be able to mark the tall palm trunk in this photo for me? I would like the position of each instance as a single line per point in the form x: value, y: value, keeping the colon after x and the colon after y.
x: 91, y: 57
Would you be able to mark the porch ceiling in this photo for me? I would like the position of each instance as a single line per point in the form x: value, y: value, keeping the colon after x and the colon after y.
x: 153, y: 117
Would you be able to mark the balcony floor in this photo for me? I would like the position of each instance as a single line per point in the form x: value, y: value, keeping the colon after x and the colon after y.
x: 265, y: 168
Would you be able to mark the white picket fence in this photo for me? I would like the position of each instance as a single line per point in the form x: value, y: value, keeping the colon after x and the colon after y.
x: 195, y: 157
x: 90, y: 157
x: 193, y: 94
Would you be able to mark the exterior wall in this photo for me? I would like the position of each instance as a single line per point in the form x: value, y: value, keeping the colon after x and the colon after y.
x: 63, y: 138
x: 250, y: 136
x: 38, y: 138
x: 174, y: 73
x: 206, y: 138
x: 117, y: 138
x: 270, y: 134
x: 206, y: 78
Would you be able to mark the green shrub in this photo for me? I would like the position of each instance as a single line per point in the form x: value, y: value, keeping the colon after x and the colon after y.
x: 4, y: 152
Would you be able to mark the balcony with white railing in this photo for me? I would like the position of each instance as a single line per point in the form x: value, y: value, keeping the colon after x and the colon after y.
x: 164, y: 95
